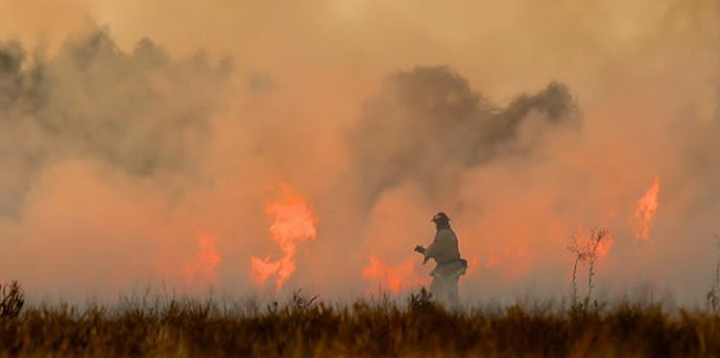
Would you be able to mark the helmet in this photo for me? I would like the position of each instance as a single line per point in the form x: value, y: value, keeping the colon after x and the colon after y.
x: 440, y: 217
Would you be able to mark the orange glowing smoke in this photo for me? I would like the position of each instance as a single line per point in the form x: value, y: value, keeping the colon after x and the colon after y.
x: 593, y: 246
x: 604, y: 246
x: 645, y: 211
x: 293, y: 222
x: 506, y: 264
x: 394, y: 279
x: 202, y: 269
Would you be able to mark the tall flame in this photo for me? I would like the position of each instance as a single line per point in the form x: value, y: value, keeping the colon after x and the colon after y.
x: 293, y: 222
x: 645, y: 211
x: 202, y: 269
x: 394, y: 279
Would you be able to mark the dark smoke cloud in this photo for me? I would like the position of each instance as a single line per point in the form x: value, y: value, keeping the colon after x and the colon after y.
x: 427, y: 125
x: 140, y: 112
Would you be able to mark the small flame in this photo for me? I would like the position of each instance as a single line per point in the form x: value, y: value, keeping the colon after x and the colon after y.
x: 262, y: 269
x: 645, y: 211
x: 293, y: 222
x: 605, y: 245
x: 202, y: 269
x: 394, y: 279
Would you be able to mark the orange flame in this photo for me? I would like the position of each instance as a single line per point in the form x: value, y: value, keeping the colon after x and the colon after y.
x: 645, y: 211
x: 605, y: 245
x: 202, y: 269
x: 293, y: 222
x: 393, y: 278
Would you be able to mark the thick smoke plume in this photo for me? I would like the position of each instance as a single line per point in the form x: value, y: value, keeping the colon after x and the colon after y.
x: 427, y: 125
x: 138, y: 111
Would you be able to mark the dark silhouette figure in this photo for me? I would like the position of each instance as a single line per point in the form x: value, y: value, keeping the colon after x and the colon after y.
x: 450, y: 266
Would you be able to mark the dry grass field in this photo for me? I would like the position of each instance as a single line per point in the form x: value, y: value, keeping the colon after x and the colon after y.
x: 306, y: 327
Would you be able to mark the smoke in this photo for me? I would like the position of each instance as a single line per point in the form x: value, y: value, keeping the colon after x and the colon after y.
x: 428, y: 126
x: 122, y: 151
x: 96, y: 145
x: 138, y: 112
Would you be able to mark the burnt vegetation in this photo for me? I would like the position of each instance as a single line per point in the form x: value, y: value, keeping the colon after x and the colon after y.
x: 306, y: 326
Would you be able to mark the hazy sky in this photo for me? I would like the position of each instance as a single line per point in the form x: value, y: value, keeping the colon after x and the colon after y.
x: 130, y: 130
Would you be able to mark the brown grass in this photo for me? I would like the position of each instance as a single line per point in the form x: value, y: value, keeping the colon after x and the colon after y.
x: 306, y: 327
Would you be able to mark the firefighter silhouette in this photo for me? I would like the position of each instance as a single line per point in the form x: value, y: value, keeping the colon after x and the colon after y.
x: 449, y: 265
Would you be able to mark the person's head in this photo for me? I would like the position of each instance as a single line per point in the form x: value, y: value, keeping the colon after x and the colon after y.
x: 441, y: 220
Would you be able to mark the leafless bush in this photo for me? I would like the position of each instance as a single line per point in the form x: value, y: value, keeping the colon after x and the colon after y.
x: 587, y: 252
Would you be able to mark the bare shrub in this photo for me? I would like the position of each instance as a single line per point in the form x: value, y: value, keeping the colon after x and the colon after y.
x: 587, y: 252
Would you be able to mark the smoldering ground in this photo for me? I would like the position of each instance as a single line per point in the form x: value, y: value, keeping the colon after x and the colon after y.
x: 118, y: 152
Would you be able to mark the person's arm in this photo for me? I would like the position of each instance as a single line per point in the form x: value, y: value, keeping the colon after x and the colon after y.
x: 428, y: 252
x: 431, y: 250
x: 423, y: 251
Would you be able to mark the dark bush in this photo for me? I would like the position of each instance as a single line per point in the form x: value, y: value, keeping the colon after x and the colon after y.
x: 12, y: 300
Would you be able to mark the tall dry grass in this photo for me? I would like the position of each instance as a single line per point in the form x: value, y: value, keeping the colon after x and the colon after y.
x: 307, y: 327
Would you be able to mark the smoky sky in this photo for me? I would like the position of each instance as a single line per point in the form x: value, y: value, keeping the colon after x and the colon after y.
x: 138, y: 111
